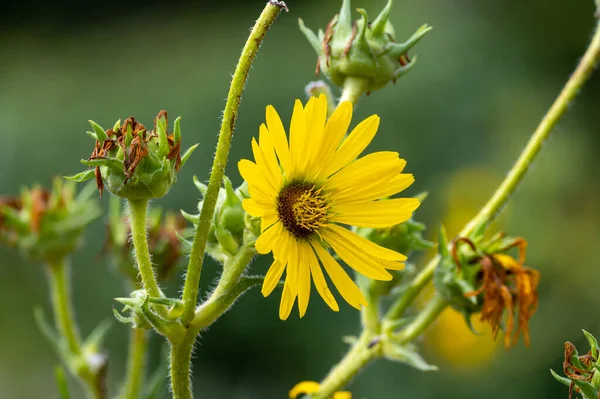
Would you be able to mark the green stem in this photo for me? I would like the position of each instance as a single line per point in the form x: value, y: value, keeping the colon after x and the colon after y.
x: 60, y: 291
x: 228, y: 288
x: 353, y: 89
x: 412, y: 331
x: 358, y: 357
x: 136, y: 364
x: 194, y: 268
x: 137, y: 212
x: 370, y: 315
x: 504, y: 192
x: 181, y: 365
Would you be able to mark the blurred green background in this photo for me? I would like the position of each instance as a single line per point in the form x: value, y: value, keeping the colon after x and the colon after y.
x: 485, y: 76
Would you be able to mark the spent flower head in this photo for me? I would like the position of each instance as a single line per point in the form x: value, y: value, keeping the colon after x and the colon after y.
x: 304, y: 188
x: 362, y: 49
x: 581, y: 371
x: 481, y: 277
x: 133, y: 163
x: 47, y: 224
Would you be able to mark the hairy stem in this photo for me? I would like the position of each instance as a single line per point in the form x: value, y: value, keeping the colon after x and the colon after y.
x: 137, y: 211
x: 136, y: 364
x: 507, y: 188
x: 60, y: 291
x: 194, y: 268
x: 358, y: 357
x: 181, y: 365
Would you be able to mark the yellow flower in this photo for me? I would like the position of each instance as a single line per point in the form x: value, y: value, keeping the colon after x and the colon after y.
x: 303, y: 190
x: 310, y: 387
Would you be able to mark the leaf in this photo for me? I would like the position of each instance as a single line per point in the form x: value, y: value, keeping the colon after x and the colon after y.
x: 100, y: 133
x: 587, y: 389
x: 593, y: 343
x: 61, y: 382
x: 187, y: 154
x: 407, y: 355
x: 94, y: 340
x: 81, y: 177
x: 47, y: 331
x: 113, y: 163
x: 562, y: 380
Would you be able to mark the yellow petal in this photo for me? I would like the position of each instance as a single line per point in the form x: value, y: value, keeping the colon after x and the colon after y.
x: 279, y: 138
x: 382, y: 213
x: 365, y: 245
x: 286, y: 246
x: 304, y: 388
x: 272, y: 277
x: 253, y: 208
x: 265, y: 141
x: 297, y: 139
x: 315, y: 115
x: 374, y: 190
x: 334, y: 132
x: 379, y: 167
x: 352, y: 146
x: 303, y: 278
x: 344, y: 284
x: 319, y: 280
x: 355, y: 257
x: 288, y: 297
x: 268, y: 175
x: 265, y: 241
x: 268, y: 219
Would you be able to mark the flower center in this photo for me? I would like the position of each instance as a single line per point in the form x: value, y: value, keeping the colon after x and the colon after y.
x: 302, y: 209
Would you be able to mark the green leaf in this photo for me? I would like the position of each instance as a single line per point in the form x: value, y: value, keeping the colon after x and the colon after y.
x: 408, y: 355
x: 113, y: 163
x: 61, y: 382
x: 562, y: 380
x: 200, y: 186
x: 47, y: 331
x: 92, y: 135
x: 587, y: 389
x: 177, y: 130
x: 187, y: 154
x: 125, y: 320
x: 100, y: 133
x: 81, y: 177
x: 593, y: 343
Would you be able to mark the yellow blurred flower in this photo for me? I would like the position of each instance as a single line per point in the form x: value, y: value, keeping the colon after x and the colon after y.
x: 310, y: 387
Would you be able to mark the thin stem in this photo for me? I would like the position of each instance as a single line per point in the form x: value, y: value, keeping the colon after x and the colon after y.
x: 504, y: 192
x: 194, y: 268
x: 353, y: 89
x: 412, y: 331
x: 233, y: 269
x: 60, y: 291
x: 369, y: 315
x: 136, y: 364
x: 358, y: 357
x: 137, y: 211
x: 181, y: 365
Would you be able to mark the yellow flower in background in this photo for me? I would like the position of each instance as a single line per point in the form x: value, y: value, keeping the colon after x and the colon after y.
x: 449, y: 337
x: 310, y: 387
x: 303, y: 189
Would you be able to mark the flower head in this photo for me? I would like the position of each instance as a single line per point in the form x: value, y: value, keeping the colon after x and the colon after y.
x: 47, y: 224
x: 362, y: 49
x: 134, y: 163
x: 310, y: 387
x: 304, y: 188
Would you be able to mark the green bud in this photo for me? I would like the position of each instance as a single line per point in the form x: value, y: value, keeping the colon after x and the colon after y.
x: 226, y: 233
x: 47, y: 225
x: 133, y: 163
x: 362, y: 49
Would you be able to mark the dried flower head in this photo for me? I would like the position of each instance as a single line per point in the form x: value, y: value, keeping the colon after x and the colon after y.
x: 47, y: 225
x: 507, y: 285
x: 134, y: 163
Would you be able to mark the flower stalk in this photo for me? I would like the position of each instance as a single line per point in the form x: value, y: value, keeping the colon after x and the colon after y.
x: 194, y: 269
x: 136, y: 364
x: 138, y: 210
